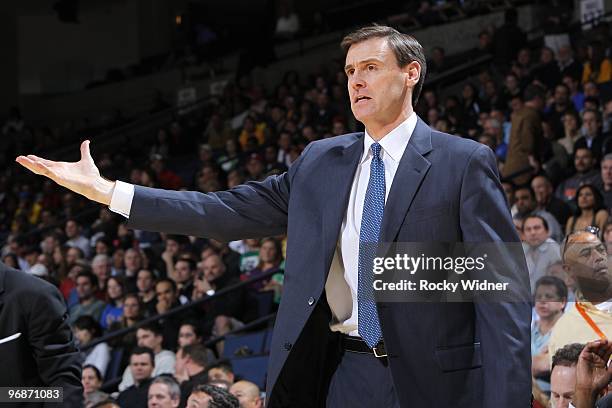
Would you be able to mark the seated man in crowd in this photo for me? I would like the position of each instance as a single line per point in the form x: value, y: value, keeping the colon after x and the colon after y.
x: 221, y: 371
x: 151, y: 336
x: 167, y: 298
x: 191, y: 363
x: 222, y: 314
x: 526, y: 204
x: 540, y: 250
x: 248, y: 394
x: 145, y: 282
x: 584, y: 163
x: 184, y: 271
x: 544, y: 192
x: 142, y: 364
x: 86, y: 286
x: 586, y: 260
x: 164, y: 392
x: 205, y: 396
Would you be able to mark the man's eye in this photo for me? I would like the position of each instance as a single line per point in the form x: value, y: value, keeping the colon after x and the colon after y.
x: 371, y: 67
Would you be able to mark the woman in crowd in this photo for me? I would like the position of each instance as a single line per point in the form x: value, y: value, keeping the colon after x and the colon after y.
x: 270, y: 258
x: 132, y: 313
x: 91, y: 378
x: 571, y: 130
x: 113, y: 312
x: 590, y: 210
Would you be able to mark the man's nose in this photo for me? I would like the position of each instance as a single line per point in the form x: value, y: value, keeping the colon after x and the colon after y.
x: 563, y: 403
x: 356, y: 81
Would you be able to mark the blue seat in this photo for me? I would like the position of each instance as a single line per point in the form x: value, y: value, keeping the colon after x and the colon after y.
x: 245, y: 344
x: 253, y: 369
x: 265, y: 302
x: 113, y: 369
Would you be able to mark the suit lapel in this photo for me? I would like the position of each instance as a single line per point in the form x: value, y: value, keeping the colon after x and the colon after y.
x: 412, y: 169
x: 338, y: 179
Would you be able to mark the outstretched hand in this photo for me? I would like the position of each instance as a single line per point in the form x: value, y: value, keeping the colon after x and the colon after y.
x: 82, y: 177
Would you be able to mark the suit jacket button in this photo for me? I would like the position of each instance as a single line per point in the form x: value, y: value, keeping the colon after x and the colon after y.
x: 287, y: 346
x: 311, y: 301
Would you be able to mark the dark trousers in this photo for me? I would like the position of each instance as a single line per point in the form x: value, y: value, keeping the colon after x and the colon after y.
x: 361, y: 381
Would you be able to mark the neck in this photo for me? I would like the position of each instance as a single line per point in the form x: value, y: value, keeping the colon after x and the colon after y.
x: 87, y: 301
x: 596, y: 298
x: 194, y: 370
x: 544, y: 202
x: 547, y: 323
x: 141, y: 381
x: 587, y: 213
x: 379, y: 130
x: 607, y: 187
x: 267, y: 265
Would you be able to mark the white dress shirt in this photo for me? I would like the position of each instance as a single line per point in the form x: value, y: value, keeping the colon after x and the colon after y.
x: 341, y: 285
x: 344, y: 266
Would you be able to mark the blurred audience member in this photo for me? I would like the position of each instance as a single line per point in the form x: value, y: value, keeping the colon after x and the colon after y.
x: 142, y: 364
x: 92, y: 381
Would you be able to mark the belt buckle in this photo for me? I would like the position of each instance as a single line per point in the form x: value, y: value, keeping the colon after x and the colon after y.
x: 379, y: 350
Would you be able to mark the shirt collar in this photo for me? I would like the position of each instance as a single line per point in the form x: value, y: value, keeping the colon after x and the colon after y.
x: 393, y: 143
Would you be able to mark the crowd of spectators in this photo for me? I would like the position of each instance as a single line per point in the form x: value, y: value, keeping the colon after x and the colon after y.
x: 545, y: 112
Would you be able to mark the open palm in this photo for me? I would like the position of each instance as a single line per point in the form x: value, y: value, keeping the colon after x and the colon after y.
x: 82, y: 177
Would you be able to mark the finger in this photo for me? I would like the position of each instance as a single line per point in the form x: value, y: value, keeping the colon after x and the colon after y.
x: 85, y: 152
x: 607, y: 352
x: 589, y: 352
x: 34, y: 166
x: 46, y: 162
x: 29, y: 164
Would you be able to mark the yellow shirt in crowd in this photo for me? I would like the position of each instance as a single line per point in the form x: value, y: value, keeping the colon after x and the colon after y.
x: 573, y: 328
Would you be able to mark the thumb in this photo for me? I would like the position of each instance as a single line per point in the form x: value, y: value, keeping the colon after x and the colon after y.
x: 85, y: 154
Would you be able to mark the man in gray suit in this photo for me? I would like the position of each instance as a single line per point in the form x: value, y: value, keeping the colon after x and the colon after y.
x: 401, y: 181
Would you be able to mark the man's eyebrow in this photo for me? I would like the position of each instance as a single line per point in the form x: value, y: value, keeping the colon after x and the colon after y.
x: 363, y: 62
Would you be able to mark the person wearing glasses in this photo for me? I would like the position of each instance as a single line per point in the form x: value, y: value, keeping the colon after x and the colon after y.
x: 585, y: 259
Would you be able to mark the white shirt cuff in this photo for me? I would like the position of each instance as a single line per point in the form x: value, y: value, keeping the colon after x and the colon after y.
x: 121, y: 201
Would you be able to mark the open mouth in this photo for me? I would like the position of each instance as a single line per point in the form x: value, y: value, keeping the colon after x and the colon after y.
x: 362, y: 98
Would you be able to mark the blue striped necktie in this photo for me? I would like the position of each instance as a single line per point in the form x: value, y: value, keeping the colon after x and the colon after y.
x: 371, y: 220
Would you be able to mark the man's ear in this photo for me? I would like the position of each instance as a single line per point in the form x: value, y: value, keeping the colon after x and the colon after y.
x: 413, y: 73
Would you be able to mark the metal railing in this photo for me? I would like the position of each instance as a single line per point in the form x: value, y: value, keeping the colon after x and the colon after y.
x: 177, y: 310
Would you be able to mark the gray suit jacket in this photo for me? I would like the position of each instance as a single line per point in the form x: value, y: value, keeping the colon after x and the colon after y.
x: 446, y: 189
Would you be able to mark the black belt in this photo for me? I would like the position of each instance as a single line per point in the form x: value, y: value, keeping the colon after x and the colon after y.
x: 357, y: 345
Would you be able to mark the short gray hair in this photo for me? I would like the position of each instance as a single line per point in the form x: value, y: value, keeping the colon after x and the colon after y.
x: 101, y: 258
x: 173, y: 387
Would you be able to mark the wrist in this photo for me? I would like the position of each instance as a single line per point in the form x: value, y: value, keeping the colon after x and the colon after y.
x: 103, y: 190
x: 585, y: 397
